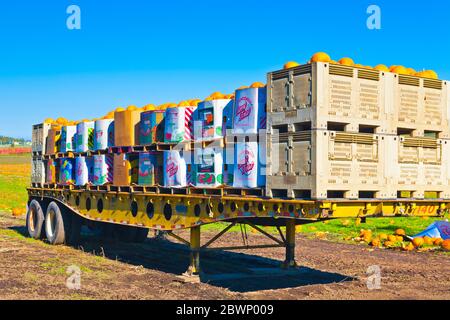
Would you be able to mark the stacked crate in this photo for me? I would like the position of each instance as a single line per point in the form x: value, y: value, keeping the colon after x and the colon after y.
x: 343, y: 132
x: 38, y: 148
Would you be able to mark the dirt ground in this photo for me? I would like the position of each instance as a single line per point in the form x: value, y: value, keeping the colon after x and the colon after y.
x: 32, y: 269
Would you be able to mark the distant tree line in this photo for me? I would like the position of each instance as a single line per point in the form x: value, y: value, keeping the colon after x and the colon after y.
x: 8, y: 141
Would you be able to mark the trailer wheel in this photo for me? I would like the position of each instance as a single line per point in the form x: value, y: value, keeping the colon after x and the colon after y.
x: 35, y: 220
x: 55, y: 228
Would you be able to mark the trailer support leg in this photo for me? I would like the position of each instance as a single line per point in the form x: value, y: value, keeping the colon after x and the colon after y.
x: 290, y: 245
x: 194, y: 268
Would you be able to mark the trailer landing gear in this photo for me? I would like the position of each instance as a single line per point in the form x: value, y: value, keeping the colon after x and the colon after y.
x: 194, y: 272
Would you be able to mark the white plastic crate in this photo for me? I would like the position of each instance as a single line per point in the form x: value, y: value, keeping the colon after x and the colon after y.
x: 322, y: 95
x: 418, y: 166
x: 37, y: 171
x: 420, y: 105
x: 322, y: 164
x: 39, y: 137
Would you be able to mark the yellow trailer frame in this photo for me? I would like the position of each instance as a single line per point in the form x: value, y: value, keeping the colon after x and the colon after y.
x: 171, y: 212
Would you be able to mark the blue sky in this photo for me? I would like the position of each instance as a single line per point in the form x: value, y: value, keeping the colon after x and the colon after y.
x: 140, y: 52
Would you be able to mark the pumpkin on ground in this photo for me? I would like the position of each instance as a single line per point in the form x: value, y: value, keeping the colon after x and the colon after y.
x: 388, y: 244
x: 418, y: 242
x: 375, y: 243
x: 383, y: 236
x: 446, y: 245
x: 400, y: 232
x: 364, y: 233
x: 427, y: 240
x: 392, y: 238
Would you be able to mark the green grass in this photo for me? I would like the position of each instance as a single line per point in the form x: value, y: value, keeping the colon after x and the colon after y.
x: 13, y: 193
x: 15, y: 172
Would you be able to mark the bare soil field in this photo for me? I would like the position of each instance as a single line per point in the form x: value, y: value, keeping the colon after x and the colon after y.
x: 32, y: 269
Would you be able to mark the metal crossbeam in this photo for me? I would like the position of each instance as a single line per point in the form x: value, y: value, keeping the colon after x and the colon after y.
x: 262, y: 246
x: 217, y: 236
x: 283, y: 243
x: 173, y: 235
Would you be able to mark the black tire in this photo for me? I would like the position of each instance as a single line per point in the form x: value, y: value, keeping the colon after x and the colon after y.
x: 35, y: 220
x: 55, y: 225
x: 141, y: 235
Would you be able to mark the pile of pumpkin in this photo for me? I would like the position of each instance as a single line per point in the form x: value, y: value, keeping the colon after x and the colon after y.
x: 150, y: 107
x: 398, y: 239
x: 324, y: 57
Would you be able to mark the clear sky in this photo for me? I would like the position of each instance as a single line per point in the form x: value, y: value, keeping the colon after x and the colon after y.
x: 140, y: 52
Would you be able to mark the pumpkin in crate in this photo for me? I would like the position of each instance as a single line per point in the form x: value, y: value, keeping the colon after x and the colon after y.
x: 347, y: 62
x: 290, y: 64
x: 320, y: 57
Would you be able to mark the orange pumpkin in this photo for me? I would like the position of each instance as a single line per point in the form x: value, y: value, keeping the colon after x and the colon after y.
x: 258, y: 85
x: 388, y: 244
x: 229, y: 96
x: 381, y: 67
x: 418, y: 242
x: 427, y: 240
x: 399, y: 70
x: 408, y: 247
x: 392, y: 238
x: 347, y: 61
x: 216, y: 96
x: 320, y: 57
x: 446, y: 245
x: 365, y: 233
x: 291, y: 64
x: 400, y: 232
x: 383, y: 236
x: 375, y: 243
x: 438, y: 241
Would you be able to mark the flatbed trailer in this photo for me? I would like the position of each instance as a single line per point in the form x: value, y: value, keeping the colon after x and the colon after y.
x: 352, y: 142
x: 61, y: 210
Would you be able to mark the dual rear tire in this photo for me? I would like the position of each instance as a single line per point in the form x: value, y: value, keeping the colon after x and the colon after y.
x: 35, y: 220
x: 60, y: 226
